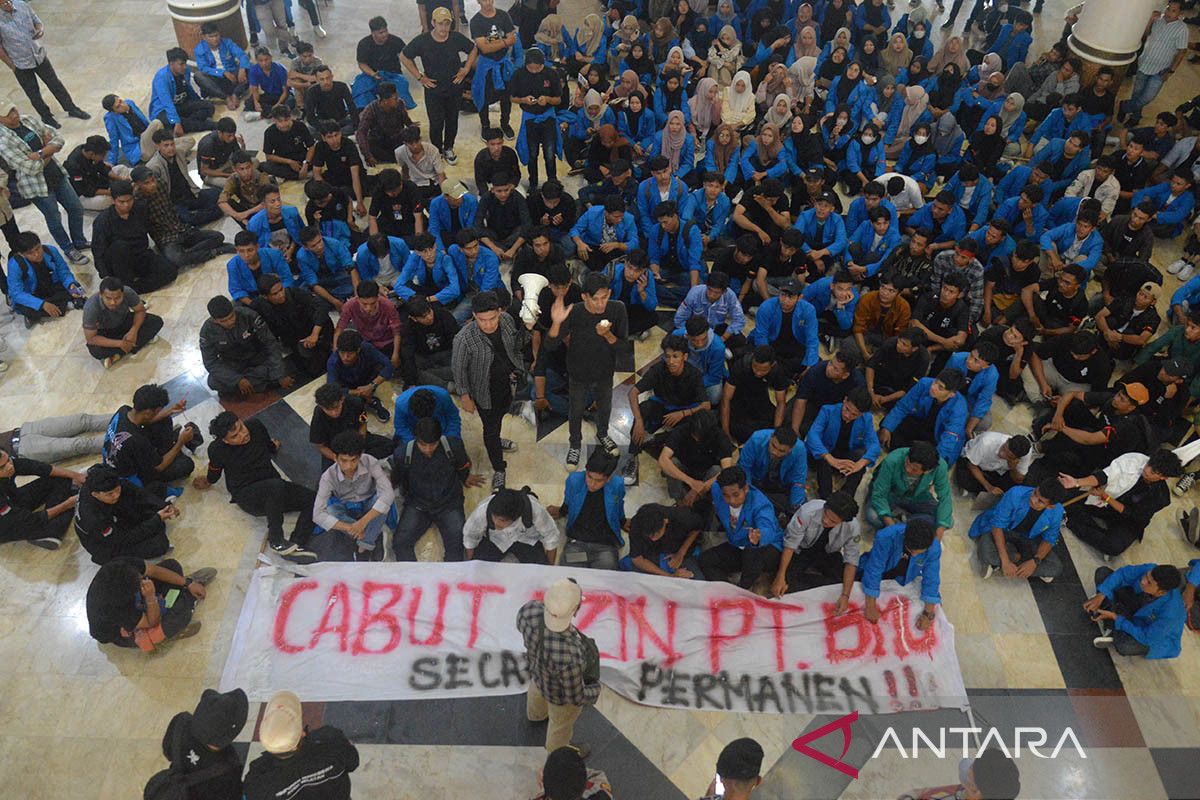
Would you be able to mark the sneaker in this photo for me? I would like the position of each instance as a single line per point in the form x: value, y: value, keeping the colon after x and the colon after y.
x: 507, y: 445
x: 1191, y: 529
x: 319, y: 31
x: 29, y: 323
x: 583, y: 750
x: 498, y: 480
x: 527, y: 413
x: 1047, y: 578
x: 83, y: 245
x: 609, y: 445
x: 630, y: 471
x: 224, y: 249
x: 381, y: 413
x: 51, y: 121
x: 204, y: 576
x: 1176, y: 266
x: 1186, y: 273
x: 78, y: 113
x: 173, y: 492
x: 1102, y: 642
x: 76, y: 257
x: 108, y: 362
x: 450, y: 156
x: 988, y: 571
x: 507, y: 130
x: 46, y: 542
x: 197, y: 438
x: 643, y: 336
x: 251, y: 116
x: 1185, y: 483
x: 288, y: 52
x: 191, y: 630
x: 573, y: 458
x: 293, y: 552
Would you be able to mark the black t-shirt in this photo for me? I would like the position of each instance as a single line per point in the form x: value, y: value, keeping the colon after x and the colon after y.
x: 213, y: 153
x: 779, y: 267
x: 590, y: 357
x: 130, y: 450
x: 397, y: 215
x: 22, y: 467
x: 1009, y: 280
x: 337, y: 163
x: 681, y: 522
x: 545, y: 300
x: 500, y: 373
x: 496, y: 26
x: 113, y: 598
x: 592, y: 524
x: 895, y: 372
x: 944, y: 322
x: 726, y: 261
x: 526, y: 84
x: 786, y: 344
x: 336, y: 104
x: 319, y: 770
x: 753, y: 391
x: 378, y: 57
x: 323, y: 428
x: 486, y: 167
x: 1092, y: 103
x: 1126, y: 275
x: 135, y: 122
x: 293, y: 144
x: 676, y: 391
x: 995, y: 335
x: 818, y: 390
x: 1027, y: 522
x: 192, y: 756
x: 1133, y: 175
x: 180, y: 188
x: 758, y: 215
x: 440, y: 60
x: 337, y: 208
x: 245, y: 464
x: 697, y: 457
x: 1124, y: 318
x: 1060, y: 309
x: 1093, y: 371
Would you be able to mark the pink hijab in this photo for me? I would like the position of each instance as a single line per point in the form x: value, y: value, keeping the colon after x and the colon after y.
x: 705, y: 112
x: 672, y: 144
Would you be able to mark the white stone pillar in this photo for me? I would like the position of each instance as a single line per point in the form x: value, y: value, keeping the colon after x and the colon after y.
x: 1109, y: 32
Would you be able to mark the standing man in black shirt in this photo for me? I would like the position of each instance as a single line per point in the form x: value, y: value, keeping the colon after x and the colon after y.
x: 299, y: 764
x: 593, y: 331
x: 443, y: 73
x: 378, y: 56
x: 494, y: 33
x: 538, y: 91
x: 243, y: 451
x: 287, y: 147
x: 40, y: 510
x: 496, y: 158
x: 330, y: 101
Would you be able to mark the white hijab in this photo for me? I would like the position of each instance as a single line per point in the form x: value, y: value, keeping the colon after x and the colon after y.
x: 740, y: 102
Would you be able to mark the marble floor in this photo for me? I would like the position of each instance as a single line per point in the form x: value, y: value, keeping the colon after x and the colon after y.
x: 80, y: 721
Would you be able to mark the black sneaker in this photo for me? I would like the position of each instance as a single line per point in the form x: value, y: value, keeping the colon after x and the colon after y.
x: 572, y: 458
x: 609, y: 445
x: 204, y: 576
x: 46, y: 543
x: 51, y: 121
x: 293, y: 552
x: 78, y: 113
x: 499, y: 478
x: 197, y: 438
x: 630, y: 471
x: 381, y: 413
x: 507, y: 130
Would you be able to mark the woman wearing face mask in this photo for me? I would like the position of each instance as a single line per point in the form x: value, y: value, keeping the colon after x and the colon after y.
x: 677, y: 145
x: 738, y: 106
x: 706, y: 109
x: 849, y: 89
x: 917, y: 158
x: 725, y: 56
x: 804, y: 81
x: 723, y: 155
x: 764, y: 157
x: 864, y: 160
x: 948, y: 141
x: 896, y: 57
x: 913, y: 110
x: 636, y: 123
x: 836, y: 131
x: 918, y: 40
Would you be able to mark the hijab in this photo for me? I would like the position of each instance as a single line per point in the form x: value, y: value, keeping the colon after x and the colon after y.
x: 741, y: 102
x: 895, y: 62
x: 700, y: 36
x: 705, y: 112
x: 590, y: 36
x: 780, y: 119
x: 768, y: 153
x: 1007, y: 118
x: 945, y: 134
x: 633, y: 119
x: 986, y: 148
x: 611, y: 140
x: 550, y: 34
x: 723, y: 154
x: 726, y: 17
x: 806, y: 43
x: 916, y: 149
x: 804, y: 77
x: 835, y: 18
x: 806, y: 143
x: 629, y: 31
x: 672, y: 144
x: 991, y: 63
x: 661, y: 36
x: 673, y: 98
x: 917, y: 71
x: 620, y: 90
x: 642, y: 66
x: 842, y: 38
x: 776, y: 81
x: 847, y: 85
x: 946, y: 85
x: 869, y: 61
x: 989, y: 91
x: 916, y: 100
x: 943, y: 57
x: 829, y: 67
x: 882, y: 101
x: 728, y: 43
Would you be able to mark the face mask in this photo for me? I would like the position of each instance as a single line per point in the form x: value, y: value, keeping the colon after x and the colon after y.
x: 868, y: 139
x: 918, y: 34
x: 920, y: 138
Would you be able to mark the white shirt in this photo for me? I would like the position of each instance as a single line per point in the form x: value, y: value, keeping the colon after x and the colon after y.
x: 984, y: 452
x: 387, y: 273
x: 544, y: 530
x: 908, y: 200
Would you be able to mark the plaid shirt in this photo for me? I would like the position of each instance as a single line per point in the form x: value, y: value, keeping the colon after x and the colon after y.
x: 471, y: 358
x: 556, y: 660
x: 31, y: 178
x: 163, y: 220
x: 943, y: 265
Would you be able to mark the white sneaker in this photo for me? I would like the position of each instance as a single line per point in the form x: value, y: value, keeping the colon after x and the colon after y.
x: 528, y: 414
x: 251, y: 116
x: 1186, y: 273
x: 319, y: 31
x: 450, y: 156
x: 988, y: 571
x: 1102, y: 642
x: 1176, y: 266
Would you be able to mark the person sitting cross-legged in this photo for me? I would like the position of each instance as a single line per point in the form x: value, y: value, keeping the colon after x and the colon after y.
x: 692, y: 456
x: 842, y: 442
x: 242, y: 451
x: 299, y: 322
x: 354, y: 497
x: 1139, y: 609
x: 40, y: 284
x: 116, y: 323
x: 933, y: 411
x: 40, y: 510
x: 753, y: 538
x: 776, y: 463
x: 512, y: 522
x: 239, y: 352
x: 594, y: 507
x: 993, y: 462
x: 820, y: 547
x: 1017, y: 535
x: 337, y: 411
x: 431, y: 470
x: 911, y: 481
x: 115, y: 517
x: 362, y: 369
x: 904, y: 552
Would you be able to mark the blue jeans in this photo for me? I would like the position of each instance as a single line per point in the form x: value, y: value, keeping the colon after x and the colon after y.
x: 413, y: 523
x: 62, y: 195
x: 352, y: 512
x: 1145, y: 89
x: 556, y: 392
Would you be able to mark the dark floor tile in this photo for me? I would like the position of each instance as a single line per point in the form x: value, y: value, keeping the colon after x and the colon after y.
x: 1083, y: 666
x: 1106, y: 719
x: 297, y: 458
x: 1178, y: 770
x: 363, y: 722
x: 457, y: 722
x: 247, y: 406
x: 189, y: 387
x: 1060, y: 607
x: 630, y: 773
x: 1051, y: 710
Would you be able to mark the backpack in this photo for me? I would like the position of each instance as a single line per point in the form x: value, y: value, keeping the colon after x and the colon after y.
x: 173, y: 783
x: 526, y: 510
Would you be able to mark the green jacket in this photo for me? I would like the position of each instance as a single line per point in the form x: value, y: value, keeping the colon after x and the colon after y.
x: 891, y: 483
x: 1177, y: 347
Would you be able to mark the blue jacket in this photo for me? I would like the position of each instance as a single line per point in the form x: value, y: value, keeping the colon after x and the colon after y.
x: 1012, y: 48
x: 1175, y: 214
x: 710, y: 161
x: 122, y: 142
x: 921, y: 168
x: 337, y: 259
x: 22, y: 285
x: 445, y: 412
x: 710, y: 361
x: 698, y: 213
x: 982, y: 388
x: 1012, y: 508
x: 575, y: 492
x: 367, y: 263
x: 651, y: 301
x: 259, y: 225
x: 826, y: 428
x: 856, y: 214
x: 371, y: 362
x: 953, y: 228
x: 660, y: 108
x: 755, y: 459
x: 648, y: 200
x: 893, y: 121
x: 1159, y: 623
x: 819, y: 293
x: 579, y: 123
x: 833, y: 236
x: 950, y: 425
x: 486, y: 271
x: 727, y: 310
x: 864, y: 237
x: 1063, y: 237
x: 439, y: 216
x: 757, y: 512
x: 228, y: 58
x: 780, y: 168
x: 1013, y: 134
x: 804, y: 326
x: 242, y: 281
x: 1056, y: 126
x: 885, y: 554
x: 1187, y: 293
x: 1008, y: 210
x: 590, y: 226
x: 687, y: 157
x: 857, y: 161
x: 1052, y: 153
x: 689, y: 247
x: 162, y: 93
x: 859, y: 99
x: 978, y: 209
x: 986, y: 254
x: 445, y: 277
x: 646, y: 129
x: 1013, y: 182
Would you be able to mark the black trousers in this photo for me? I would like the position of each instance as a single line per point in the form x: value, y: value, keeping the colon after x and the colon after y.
x: 720, y: 562
x: 150, y: 328
x: 59, y: 297
x: 813, y: 567
x: 543, y: 136
x: 744, y: 421
x: 578, y: 393
x: 912, y: 429
x: 383, y: 148
x: 196, y: 246
x: 28, y: 78
x: 276, y: 170
x: 194, y: 116
x: 310, y: 363
x: 1101, y: 528
x: 492, y: 419
x: 641, y: 319
x: 492, y: 94
x: 966, y: 481
x: 826, y: 474
x: 442, y: 108
x: 175, y: 618
x: 274, y: 498
x: 220, y: 87
x: 525, y: 553
x: 24, y: 521
x: 1125, y: 603
x: 143, y: 269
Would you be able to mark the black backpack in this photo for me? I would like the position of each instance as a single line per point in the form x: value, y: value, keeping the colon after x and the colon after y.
x: 526, y: 509
x: 173, y: 783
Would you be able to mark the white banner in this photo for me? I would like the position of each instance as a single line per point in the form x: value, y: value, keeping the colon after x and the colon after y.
x: 430, y: 630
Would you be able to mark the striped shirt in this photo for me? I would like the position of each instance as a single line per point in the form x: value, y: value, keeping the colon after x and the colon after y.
x: 15, y: 150
x: 1165, y: 40
x: 17, y: 28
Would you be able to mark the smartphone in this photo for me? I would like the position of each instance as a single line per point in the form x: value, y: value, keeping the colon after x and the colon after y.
x: 171, y: 597
x: 718, y: 787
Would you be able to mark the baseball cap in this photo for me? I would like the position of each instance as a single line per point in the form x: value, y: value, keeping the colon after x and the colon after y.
x: 824, y: 197
x: 442, y: 14
x: 1175, y: 368
x: 815, y: 173
x: 1151, y: 288
x: 1137, y: 393
x: 741, y: 760
x: 219, y: 716
x: 561, y: 602
x: 282, y: 724
x: 453, y: 189
x: 791, y: 286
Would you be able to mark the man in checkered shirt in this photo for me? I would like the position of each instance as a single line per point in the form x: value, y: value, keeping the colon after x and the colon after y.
x: 557, y: 658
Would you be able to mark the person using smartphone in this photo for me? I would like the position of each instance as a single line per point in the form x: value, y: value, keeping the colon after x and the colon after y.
x: 738, y: 769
